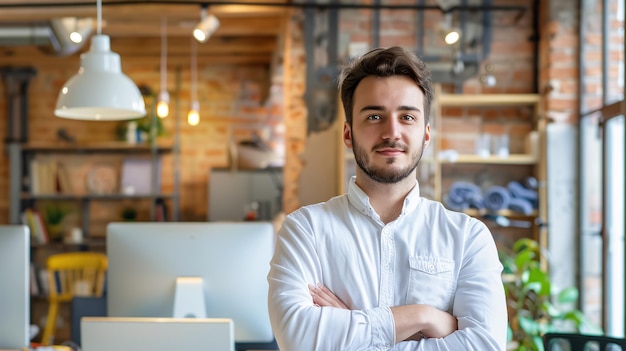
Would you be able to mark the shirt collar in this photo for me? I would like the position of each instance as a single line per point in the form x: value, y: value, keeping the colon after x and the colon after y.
x: 360, y: 200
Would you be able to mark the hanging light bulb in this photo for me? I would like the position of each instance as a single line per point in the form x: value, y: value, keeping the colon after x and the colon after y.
x: 163, y: 108
x: 193, y: 117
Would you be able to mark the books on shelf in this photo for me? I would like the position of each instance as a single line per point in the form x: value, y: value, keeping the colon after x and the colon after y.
x: 49, y: 176
x: 36, y: 225
x: 34, y: 284
x: 38, y: 279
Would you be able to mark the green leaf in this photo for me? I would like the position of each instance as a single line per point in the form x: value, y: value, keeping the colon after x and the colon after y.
x: 544, y: 328
x: 538, y: 343
x: 528, y: 325
x: 524, y: 276
x: 568, y: 295
x: 575, y: 316
x: 525, y: 244
x: 537, y: 275
x: 508, y: 263
x: 523, y: 259
x: 534, y: 286
x: 550, y: 309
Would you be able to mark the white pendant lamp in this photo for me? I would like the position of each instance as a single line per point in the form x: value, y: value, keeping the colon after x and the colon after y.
x: 163, y: 104
x: 100, y: 91
x: 193, y: 117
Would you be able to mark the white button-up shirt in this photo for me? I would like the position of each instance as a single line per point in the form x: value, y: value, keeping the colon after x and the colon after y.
x: 428, y: 255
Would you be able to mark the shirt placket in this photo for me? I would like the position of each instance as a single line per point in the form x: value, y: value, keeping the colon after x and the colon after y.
x: 387, y: 257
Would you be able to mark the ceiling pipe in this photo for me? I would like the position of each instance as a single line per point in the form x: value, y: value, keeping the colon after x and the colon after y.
x: 31, y: 34
x: 51, y: 37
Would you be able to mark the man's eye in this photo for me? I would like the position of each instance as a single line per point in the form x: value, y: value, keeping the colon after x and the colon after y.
x: 374, y: 117
x: 408, y: 117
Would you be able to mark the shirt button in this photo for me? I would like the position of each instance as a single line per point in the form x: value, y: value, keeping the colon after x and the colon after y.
x: 432, y: 267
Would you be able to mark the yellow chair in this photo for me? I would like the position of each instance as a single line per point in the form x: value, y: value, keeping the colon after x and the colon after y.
x: 72, y: 274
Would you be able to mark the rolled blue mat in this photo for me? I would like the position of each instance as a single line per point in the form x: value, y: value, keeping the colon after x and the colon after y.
x: 521, y: 205
x: 521, y: 192
x: 497, y: 198
x: 477, y: 202
x: 455, y: 205
x: 531, y: 183
x: 463, y: 191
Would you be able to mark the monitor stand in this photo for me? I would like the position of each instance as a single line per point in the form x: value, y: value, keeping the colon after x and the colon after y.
x: 189, y: 298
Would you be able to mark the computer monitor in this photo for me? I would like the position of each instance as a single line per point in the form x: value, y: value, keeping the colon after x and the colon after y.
x: 156, y: 334
x: 171, y: 269
x: 14, y: 286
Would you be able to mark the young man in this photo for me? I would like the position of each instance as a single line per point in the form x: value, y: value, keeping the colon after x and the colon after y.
x: 381, y: 268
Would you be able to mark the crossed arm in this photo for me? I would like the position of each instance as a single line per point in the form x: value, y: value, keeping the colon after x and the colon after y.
x: 412, y: 322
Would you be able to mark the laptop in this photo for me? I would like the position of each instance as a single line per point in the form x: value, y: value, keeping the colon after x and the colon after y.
x: 156, y: 334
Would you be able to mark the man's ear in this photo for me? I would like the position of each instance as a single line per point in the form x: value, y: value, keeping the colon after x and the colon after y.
x: 426, y: 136
x: 347, y: 135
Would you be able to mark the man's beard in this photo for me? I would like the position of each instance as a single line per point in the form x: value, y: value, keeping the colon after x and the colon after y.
x: 385, y: 175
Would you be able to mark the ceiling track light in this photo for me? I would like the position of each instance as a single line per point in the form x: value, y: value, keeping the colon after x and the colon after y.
x: 100, y: 91
x: 451, y: 34
x: 206, y: 27
x: 76, y: 36
x: 452, y: 37
x: 163, y: 104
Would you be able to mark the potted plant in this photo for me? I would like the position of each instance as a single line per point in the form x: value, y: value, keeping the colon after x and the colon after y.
x: 54, y: 215
x: 129, y: 214
x: 534, y: 308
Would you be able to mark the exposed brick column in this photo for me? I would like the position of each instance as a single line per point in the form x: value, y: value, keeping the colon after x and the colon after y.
x: 295, y: 110
x: 558, y: 59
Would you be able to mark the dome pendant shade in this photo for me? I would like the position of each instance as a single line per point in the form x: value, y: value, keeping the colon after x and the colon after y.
x: 100, y: 91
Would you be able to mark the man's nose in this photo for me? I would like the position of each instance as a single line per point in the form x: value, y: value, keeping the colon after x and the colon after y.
x: 392, y: 129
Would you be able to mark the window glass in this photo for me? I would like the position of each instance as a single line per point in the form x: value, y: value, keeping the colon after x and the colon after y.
x: 615, y: 225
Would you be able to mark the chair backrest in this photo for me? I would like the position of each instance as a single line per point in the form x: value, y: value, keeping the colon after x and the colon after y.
x: 76, y: 274
x: 579, y: 342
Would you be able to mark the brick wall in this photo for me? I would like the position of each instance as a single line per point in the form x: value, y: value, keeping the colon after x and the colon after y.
x: 558, y: 60
x: 295, y: 109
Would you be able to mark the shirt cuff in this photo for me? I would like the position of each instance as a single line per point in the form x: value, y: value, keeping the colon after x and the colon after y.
x: 383, y: 328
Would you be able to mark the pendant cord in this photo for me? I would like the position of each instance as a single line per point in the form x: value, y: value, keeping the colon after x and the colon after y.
x: 194, y: 70
x: 99, y: 18
x: 163, y: 54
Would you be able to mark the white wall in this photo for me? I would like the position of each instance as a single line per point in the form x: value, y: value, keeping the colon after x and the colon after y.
x: 318, y: 180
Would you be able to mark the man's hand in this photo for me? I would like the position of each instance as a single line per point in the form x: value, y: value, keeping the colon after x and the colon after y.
x: 423, y: 320
x: 324, y: 297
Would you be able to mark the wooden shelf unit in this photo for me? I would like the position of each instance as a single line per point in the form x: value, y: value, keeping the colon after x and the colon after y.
x: 536, y: 161
x: 21, y: 194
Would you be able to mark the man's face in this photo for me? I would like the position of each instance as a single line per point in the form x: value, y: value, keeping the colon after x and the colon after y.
x: 388, y: 133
